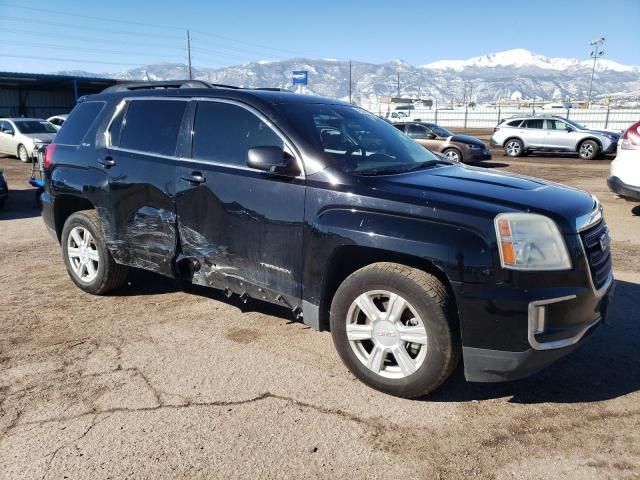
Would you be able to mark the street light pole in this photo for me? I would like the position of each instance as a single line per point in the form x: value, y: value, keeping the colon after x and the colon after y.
x: 596, y: 53
x: 398, y: 84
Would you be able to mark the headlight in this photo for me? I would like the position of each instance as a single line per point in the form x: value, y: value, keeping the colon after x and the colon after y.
x: 528, y: 241
x: 472, y: 146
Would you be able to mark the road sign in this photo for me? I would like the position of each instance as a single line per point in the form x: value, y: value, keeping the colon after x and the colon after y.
x: 299, y: 77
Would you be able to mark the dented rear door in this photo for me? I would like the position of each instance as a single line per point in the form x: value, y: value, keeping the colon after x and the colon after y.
x: 138, y: 196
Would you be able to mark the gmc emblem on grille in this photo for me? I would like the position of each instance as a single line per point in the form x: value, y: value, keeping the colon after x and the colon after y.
x: 605, y: 240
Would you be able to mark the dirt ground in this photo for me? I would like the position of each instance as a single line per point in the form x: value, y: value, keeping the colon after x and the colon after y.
x: 153, y: 382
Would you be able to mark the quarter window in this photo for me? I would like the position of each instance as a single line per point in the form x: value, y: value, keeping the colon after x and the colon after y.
x: 77, y: 125
x: 514, y: 123
x: 224, y: 133
x: 152, y: 126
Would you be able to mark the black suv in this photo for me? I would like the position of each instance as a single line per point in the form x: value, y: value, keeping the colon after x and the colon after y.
x: 310, y: 203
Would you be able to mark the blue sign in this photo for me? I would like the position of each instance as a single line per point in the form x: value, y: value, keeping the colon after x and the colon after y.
x: 299, y: 77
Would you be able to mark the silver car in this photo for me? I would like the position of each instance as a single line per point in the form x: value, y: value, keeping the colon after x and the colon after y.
x: 18, y: 136
x: 519, y: 135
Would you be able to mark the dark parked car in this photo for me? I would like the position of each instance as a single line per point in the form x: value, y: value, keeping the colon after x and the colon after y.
x: 313, y: 204
x: 457, y: 148
x: 4, y: 190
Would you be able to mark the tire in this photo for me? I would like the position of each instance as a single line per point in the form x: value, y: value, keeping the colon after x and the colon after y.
x: 23, y: 155
x: 589, y: 150
x: 108, y: 274
x: 453, y: 154
x: 2, y: 202
x: 421, y: 366
x: 513, y: 147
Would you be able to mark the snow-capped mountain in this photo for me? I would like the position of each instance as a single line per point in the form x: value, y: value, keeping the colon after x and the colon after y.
x: 512, y: 74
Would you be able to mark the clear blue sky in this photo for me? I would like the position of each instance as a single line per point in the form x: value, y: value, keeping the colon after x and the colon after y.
x: 85, y: 34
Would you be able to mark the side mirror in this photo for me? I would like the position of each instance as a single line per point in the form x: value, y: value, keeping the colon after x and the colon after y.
x: 271, y: 159
x: 569, y: 129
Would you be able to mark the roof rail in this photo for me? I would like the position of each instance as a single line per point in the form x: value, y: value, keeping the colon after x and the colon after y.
x: 125, y: 87
x: 272, y: 89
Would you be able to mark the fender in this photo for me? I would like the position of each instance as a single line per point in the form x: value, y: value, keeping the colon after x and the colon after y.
x: 461, y: 254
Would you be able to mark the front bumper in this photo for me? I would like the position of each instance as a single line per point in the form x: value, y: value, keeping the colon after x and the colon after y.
x: 509, y: 333
x: 471, y: 156
x: 613, y: 146
x: 618, y: 186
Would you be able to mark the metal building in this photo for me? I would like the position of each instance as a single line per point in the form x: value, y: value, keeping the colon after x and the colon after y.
x: 43, y: 95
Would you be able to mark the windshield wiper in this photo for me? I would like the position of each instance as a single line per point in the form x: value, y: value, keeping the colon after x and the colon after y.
x: 397, y: 168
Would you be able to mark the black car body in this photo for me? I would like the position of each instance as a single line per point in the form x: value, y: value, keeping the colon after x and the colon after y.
x: 292, y: 235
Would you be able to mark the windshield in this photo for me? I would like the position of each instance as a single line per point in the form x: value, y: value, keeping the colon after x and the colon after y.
x: 574, y: 124
x: 356, y: 141
x: 440, y: 131
x: 34, y: 126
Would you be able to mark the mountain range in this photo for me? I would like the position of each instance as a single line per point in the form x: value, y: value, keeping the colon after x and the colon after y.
x: 516, y: 74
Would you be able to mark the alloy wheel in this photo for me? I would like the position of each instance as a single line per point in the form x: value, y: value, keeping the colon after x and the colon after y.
x: 586, y: 150
x: 513, y: 148
x: 453, y: 155
x: 386, y: 334
x: 83, y: 254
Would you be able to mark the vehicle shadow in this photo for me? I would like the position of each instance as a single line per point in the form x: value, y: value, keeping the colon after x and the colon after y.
x: 606, y: 367
x: 490, y: 164
x: 20, y: 204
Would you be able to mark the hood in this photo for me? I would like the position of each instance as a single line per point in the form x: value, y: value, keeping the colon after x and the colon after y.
x: 602, y: 132
x: 461, y: 186
x: 40, y: 137
x: 467, y: 139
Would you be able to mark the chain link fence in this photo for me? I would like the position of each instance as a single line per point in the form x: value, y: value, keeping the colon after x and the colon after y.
x: 607, y: 118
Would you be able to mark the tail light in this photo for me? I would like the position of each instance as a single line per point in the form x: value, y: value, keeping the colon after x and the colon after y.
x: 48, y: 156
x: 631, y: 138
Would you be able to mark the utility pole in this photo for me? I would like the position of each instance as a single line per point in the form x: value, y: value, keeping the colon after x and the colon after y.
x: 596, y: 53
x: 350, y: 82
x: 398, y: 84
x: 189, y: 55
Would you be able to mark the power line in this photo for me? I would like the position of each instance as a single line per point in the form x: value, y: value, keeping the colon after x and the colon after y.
x: 118, y: 20
x: 74, y: 60
x: 80, y: 27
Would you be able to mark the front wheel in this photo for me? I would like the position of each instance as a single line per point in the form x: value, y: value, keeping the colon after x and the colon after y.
x: 23, y: 155
x: 453, y: 154
x: 588, y: 150
x: 393, y: 328
x: 87, y: 257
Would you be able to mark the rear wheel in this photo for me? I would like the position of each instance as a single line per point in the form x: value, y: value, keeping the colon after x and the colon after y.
x: 453, y: 154
x: 513, y: 148
x: 23, y: 155
x: 87, y: 257
x: 392, y: 327
x: 589, y: 150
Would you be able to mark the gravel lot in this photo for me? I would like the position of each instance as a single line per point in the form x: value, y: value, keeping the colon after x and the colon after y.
x: 154, y: 382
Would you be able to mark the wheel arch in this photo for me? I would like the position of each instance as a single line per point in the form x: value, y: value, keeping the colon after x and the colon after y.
x: 514, y: 137
x: 582, y: 140
x: 347, y: 259
x: 65, y: 206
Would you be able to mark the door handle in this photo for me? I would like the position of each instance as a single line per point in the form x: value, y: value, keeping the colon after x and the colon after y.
x: 107, y: 162
x: 196, y: 178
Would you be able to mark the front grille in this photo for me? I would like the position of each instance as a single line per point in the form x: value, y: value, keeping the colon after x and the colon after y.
x: 599, y: 258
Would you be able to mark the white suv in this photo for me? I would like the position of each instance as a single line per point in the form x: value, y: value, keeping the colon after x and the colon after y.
x: 519, y: 135
x: 625, y: 169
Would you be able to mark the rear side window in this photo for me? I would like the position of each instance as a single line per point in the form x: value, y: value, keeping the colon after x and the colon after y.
x: 224, y: 133
x: 77, y: 125
x: 534, y: 123
x: 152, y: 126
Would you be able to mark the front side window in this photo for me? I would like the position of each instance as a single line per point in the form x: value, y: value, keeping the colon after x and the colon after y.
x: 224, y: 133
x: 556, y: 125
x: 34, y: 126
x: 152, y: 126
x: 4, y: 126
x: 418, y: 131
x: 355, y: 141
